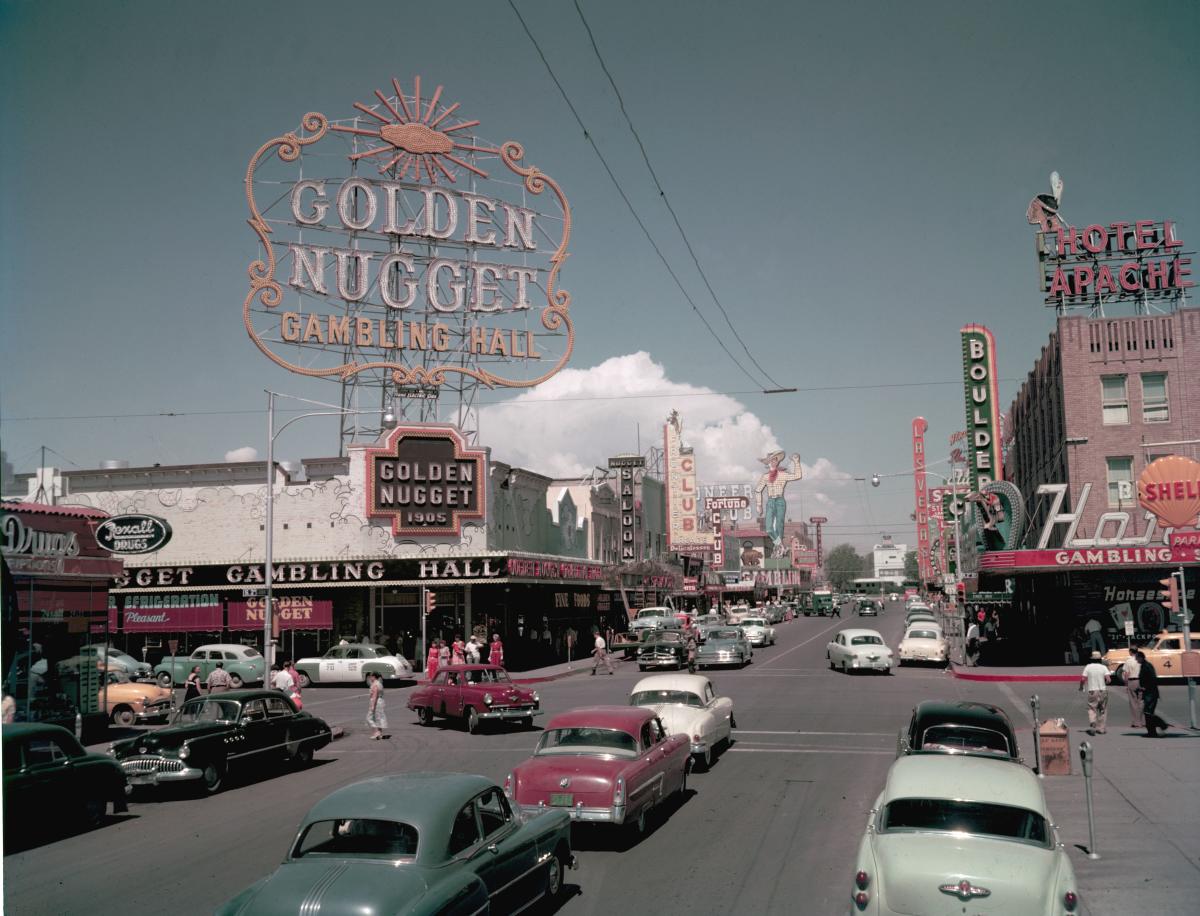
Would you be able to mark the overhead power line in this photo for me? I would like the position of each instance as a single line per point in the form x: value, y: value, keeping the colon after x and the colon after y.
x: 629, y: 205
x: 666, y: 201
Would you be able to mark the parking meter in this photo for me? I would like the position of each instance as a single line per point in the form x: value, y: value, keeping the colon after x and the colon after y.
x: 1085, y: 757
x: 1034, y: 705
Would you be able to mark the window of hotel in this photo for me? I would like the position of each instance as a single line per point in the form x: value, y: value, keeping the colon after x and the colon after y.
x: 1120, y: 481
x: 1115, y: 400
x: 1154, y: 398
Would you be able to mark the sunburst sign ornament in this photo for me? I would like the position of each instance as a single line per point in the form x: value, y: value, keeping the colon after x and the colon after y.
x: 398, y: 243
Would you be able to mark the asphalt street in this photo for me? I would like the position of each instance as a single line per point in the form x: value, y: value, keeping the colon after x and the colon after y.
x: 772, y: 828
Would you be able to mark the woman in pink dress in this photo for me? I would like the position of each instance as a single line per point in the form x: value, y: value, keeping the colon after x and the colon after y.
x: 496, y: 653
x: 431, y: 660
x: 458, y: 653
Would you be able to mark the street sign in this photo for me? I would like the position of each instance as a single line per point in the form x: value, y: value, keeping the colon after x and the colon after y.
x: 1128, y: 627
x: 254, y: 593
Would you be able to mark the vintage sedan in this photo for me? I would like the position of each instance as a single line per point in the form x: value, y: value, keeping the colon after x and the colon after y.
x: 50, y: 781
x: 244, y: 664
x: 350, y: 664
x: 859, y: 650
x: 416, y: 843
x: 923, y: 643
x: 758, y: 632
x: 211, y: 737
x: 108, y: 658
x: 662, y: 649
x: 955, y: 835
x: 655, y: 618
x: 866, y: 607
x: 922, y: 615
x: 724, y: 646
x: 1163, y: 652
x: 476, y: 694
x: 959, y: 727
x: 688, y: 704
x: 128, y: 702
x: 602, y: 764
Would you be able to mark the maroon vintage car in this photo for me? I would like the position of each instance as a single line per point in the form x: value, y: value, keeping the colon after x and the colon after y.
x: 476, y: 694
x: 606, y: 764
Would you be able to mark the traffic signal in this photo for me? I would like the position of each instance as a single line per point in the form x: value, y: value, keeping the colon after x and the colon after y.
x: 1169, y: 594
x: 430, y: 601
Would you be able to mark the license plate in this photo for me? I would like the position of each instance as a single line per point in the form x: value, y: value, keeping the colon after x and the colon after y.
x: 562, y: 800
x: 142, y: 779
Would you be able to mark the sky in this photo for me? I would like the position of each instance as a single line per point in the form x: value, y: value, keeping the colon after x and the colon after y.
x: 853, y: 177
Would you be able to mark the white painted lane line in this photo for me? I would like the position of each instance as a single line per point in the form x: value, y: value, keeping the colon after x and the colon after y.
x: 803, y: 644
x: 809, y: 750
x: 744, y: 731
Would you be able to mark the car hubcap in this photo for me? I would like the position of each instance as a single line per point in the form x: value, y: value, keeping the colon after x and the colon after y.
x: 555, y: 876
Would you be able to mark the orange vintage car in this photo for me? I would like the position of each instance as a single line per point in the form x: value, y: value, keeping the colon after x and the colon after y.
x: 127, y: 702
x: 1163, y: 651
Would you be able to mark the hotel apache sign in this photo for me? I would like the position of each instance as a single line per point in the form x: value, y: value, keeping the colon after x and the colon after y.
x: 433, y: 253
x: 982, y: 401
x: 427, y: 481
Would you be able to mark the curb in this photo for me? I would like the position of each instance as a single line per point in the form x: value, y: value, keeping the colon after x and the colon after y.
x: 570, y: 672
x: 1015, y: 678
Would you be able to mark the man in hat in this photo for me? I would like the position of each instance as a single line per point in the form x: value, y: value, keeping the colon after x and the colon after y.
x: 773, y: 483
x: 1095, y: 679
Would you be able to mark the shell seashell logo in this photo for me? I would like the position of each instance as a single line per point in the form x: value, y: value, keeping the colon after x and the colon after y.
x: 1170, y: 488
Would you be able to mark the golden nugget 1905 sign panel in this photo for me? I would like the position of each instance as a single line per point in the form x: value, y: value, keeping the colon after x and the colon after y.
x: 399, y: 241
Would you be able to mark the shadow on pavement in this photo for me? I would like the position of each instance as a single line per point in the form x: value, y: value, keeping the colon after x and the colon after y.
x: 238, y: 780
x: 37, y: 836
x: 610, y: 838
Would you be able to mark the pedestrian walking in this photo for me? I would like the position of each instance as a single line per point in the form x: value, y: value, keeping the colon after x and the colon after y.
x: 1094, y: 633
x: 431, y: 660
x: 1148, y: 680
x: 1131, y: 674
x: 691, y: 651
x: 458, y: 653
x: 376, y: 710
x: 972, y: 650
x: 191, y: 684
x: 600, y: 650
x: 218, y: 679
x: 1095, y: 679
x: 496, y: 651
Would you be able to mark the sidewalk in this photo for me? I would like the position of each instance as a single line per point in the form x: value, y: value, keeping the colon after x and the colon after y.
x: 561, y: 670
x: 1029, y: 674
x: 1146, y: 795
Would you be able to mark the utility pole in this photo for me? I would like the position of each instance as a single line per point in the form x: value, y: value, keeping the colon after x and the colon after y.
x: 1187, y: 645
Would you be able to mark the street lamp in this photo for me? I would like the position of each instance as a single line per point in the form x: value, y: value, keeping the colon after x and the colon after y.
x: 272, y: 434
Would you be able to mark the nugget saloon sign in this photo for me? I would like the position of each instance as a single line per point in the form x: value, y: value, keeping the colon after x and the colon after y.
x: 426, y: 481
x: 398, y: 242
x: 133, y: 534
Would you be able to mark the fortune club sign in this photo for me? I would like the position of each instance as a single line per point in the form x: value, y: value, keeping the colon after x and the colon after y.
x: 407, y: 246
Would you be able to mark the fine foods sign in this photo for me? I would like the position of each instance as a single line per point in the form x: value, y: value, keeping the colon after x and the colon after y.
x: 427, y: 481
x: 982, y: 406
x: 133, y: 534
x: 398, y: 243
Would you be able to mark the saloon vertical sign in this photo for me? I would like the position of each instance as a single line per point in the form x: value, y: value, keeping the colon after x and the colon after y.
x: 921, y: 497
x: 626, y: 466
x: 984, y: 463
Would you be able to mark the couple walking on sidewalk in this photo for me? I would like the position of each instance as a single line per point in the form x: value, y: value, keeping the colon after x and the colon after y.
x: 1141, y: 680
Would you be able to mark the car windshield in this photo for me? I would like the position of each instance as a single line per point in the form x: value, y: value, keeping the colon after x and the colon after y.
x: 964, y: 739
x: 488, y: 676
x: 724, y: 634
x: 207, y: 710
x: 754, y: 622
x: 651, y: 612
x: 980, y: 818
x: 922, y: 634
x: 357, y: 837
x: 865, y: 641
x: 669, y: 697
x: 600, y: 742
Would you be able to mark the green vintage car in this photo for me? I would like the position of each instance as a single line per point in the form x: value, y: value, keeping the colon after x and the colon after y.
x: 213, y: 736
x: 245, y: 664
x: 416, y: 843
x: 50, y: 781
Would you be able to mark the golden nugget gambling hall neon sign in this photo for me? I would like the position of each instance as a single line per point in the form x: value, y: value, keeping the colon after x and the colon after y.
x: 398, y: 241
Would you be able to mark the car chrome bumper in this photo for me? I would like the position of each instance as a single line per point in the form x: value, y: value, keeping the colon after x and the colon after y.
x: 882, y: 664
x: 699, y: 747
x: 154, y: 777
x: 510, y: 713
x: 613, y: 815
x: 163, y: 712
x: 659, y: 662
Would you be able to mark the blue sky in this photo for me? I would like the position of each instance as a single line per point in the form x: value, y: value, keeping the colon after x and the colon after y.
x: 853, y: 177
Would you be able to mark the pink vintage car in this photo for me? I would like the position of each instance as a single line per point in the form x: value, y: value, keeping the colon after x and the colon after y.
x: 476, y: 694
x: 606, y: 764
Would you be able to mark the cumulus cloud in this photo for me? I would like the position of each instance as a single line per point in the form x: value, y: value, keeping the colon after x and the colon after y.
x: 245, y: 453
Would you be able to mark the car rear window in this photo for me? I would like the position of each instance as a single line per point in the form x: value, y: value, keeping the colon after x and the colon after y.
x: 981, y: 818
x: 922, y: 634
x: 964, y: 738
x: 865, y: 641
x: 587, y: 741
x: 364, y: 837
x: 671, y: 697
x: 724, y: 634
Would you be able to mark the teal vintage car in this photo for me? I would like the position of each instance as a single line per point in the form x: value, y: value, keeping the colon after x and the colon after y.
x: 50, y: 781
x: 245, y: 664
x: 415, y: 844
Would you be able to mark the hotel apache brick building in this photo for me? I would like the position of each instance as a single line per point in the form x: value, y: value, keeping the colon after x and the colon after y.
x: 1106, y: 397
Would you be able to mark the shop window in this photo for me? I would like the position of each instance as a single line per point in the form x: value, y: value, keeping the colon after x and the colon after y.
x: 1114, y: 400
x: 1154, y: 398
x: 1120, y: 481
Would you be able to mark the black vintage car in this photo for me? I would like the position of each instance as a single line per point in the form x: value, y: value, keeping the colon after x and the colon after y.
x: 50, y: 781
x: 959, y: 727
x: 215, y: 735
x: 663, y: 649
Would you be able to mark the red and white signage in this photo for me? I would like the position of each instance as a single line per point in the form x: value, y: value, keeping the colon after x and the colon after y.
x: 683, y: 520
x: 924, y: 561
x: 294, y: 612
x: 1089, y: 558
x: 1170, y: 488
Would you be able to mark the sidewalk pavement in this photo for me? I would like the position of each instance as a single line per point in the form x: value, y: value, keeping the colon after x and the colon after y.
x: 1025, y: 674
x: 563, y: 669
x: 1146, y: 798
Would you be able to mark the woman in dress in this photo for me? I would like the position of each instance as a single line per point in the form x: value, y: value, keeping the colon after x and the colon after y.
x: 431, y: 660
x: 376, y: 712
x: 458, y: 653
x: 192, y: 684
x: 443, y: 654
x: 295, y: 691
x: 496, y: 650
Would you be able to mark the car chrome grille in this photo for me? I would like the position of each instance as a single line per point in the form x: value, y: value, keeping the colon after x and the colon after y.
x: 152, y: 765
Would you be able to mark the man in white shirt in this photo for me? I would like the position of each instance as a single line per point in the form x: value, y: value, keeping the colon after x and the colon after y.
x: 283, y: 680
x: 1094, y: 633
x: 1130, y: 673
x: 1095, y: 679
x: 600, y: 650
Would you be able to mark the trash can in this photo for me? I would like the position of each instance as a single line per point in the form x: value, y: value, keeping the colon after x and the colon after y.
x: 1054, y: 748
